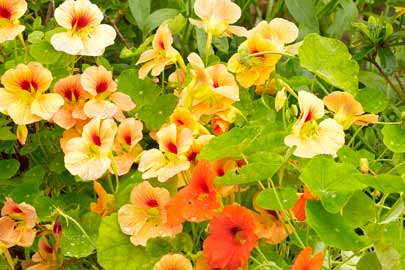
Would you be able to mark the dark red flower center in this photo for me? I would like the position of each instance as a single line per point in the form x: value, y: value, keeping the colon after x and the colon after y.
x: 179, y: 122
x: 152, y: 203
x: 203, y: 186
x: 101, y: 87
x: 72, y: 94
x: 17, y: 210
x: 80, y: 22
x: 220, y: 172
x: 191, y: 156
x: 96, y: 139
x: 5, y: 13
x: 309, y: 116
x: 171, y: 147
x: 26, y: 85
x: 128, y: 139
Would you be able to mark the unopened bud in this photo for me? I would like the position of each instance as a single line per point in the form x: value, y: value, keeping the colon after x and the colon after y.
x: 364, y: 165
x: 294, y: 110
x: 57, y: 227
x: 281, y: 97
x: 22, y: 133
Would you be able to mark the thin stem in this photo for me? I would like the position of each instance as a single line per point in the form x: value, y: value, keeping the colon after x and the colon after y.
x: 271, y: 52
x: 208, y: 47
x: 6, y: 253
x: 115, y: 169
x: 117, y: 30
x: 355, y: 135
x: 389, y: 123
x: 163, y: 82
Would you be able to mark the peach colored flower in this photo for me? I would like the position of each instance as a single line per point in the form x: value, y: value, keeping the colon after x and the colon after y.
x: 126, y: 144
x: 105, y: 101
x: 161, y: 55
x: 305, y: 260
x: 310, y: 138
x: 10, y: 12
x: 105, y: 202
x: 171, y: 158
x: 17, y: 224
x: 23, y: 97
x: 146, y: 216
x: 89, y: 156
x: 182, y: 117
x: 45, y: 258
x: 84, y: 34
x: 347, y: 110
x: 219, y: 125
x: 173, y: 261
x: 70, y: 88
x: 197, y: 145
x: 216, y: 17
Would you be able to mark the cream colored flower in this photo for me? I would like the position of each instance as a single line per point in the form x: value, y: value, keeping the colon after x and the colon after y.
x: 310, y: 138
x: 10, y: 12
x: 84, y: 34
x: 216, y: 17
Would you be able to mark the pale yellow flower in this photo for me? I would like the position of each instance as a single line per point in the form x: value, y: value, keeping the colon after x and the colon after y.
x: 10, y: 12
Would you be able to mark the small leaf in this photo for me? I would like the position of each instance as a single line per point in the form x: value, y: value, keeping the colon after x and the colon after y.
x: 6, y: 134
x: 372, y: 100
x: 384, y: 182
x: 157, y: 113
x: 387, y: 59
x: 330, y: 59
x: 140, y: 9
x: 332, y: 229
x: 157, y: 17
x: 304, y: 12
x: 8, y: 168
x: 44, y: 52
x: 268, y: 200
x: 359, y: 209
x: 394, y: 138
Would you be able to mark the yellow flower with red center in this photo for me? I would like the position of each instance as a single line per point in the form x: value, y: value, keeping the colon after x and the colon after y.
x: 70, y: 88
x: 310, y: 138
x: 170, y: 159
x: 10, y: 12
x: 347, y: 110
x: 105, y: 101
x: 23, y: 97
x: 146, y: 217
x: 161, y: 55
x: 173, y: 261
x: 216, y: 17
x: 89, y: 156
x: 85, y: 35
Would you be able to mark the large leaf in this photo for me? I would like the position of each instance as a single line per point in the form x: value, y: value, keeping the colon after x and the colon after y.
x: 345, y: 15
x: 372, y: 100
x: 157, y: 17
x: 330, y: 60
x: 230, y: 144
x: 394, y: 138
x: 44, y: 52
x: 332, y: 228
x: 8, y: 168
x: 157, y: 113
x: 384, y: 182
x: 268, y: 200
x: 140, y: 9
x: 332, y: 182
x: 115, y: 251
x: 304, y: 12
x: 359, y: 209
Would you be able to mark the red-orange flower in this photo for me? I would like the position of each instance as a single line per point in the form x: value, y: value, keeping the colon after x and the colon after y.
x: 299, y: 207
x: 105, y: 202
x: 305, y: 261
x: 197, y: 201
x: 231, y: 238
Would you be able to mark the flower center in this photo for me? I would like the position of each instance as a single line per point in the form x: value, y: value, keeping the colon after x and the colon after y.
x: 101, y: 87
x: 127, y: 139
x: 236, y: 232
x: 5, y: 13
x: 220, y: 172
x: 309, y: 130
x: 96, y: 139
x: 28, y: 85
x: 171, y: 147
x: 80, y: 22
x: 72, y: 94
x: 152, y: 203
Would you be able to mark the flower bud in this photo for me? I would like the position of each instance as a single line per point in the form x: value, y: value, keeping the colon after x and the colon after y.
x: 22, y: 133
x: 281, y: 97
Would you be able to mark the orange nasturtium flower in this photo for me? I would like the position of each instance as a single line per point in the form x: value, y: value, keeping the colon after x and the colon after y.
x: 146, y: 216
x: 70, y: 88
x: 10, y: 12
x: 299, y: 207
x: 310, y: 138
x: 347, y: 110
x: 161, y: 55
x: 173, y: 261
x: 305, y: 261
x: 105, y: 202
x: 89, y: 156
x: 17, y: 224
x: 85, y: 35
x: 23, y: 97
x: 231, y: 238
x: 170, y: 159
x: 216, y: 17
x: 99, y: 83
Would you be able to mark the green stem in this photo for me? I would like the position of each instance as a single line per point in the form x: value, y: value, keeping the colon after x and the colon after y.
x: 208, y: 47
x: 354, y: 136
x: 272, y: 52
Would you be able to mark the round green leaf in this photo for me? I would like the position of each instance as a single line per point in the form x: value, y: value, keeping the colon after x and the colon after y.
x: 372, y: 100
x: 369, y: 261
x: 394, y: 138
x: 44, y: 52
x: 268, y: 200
x: 8, y: 168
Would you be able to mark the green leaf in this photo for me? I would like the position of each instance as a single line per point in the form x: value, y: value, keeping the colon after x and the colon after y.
x: 6, y: 134
x: 177, y: 23
x: 221, y: 43
x: 369, y: 261
x: 332, y: 229
x: 44, y: 52
x: 359, y: 209
x: 73, y: 242
x: 230, y: 144
x: 372, y: 100
x: 268, y: 200
x: 261, y: 166
x: 389, y: 257
x: 115, y: 251
x: 8, y: 168
x: 394, y: 138
x: 157, y: 113
x: 140, y: 9
x: 345, y: 15
x: 304, y: 12
x: 157, y: 17
x: 332, y: 182
x: 330, y: 59
x: 142, y: 92
x: 387, y: 59
x: 384, y: 182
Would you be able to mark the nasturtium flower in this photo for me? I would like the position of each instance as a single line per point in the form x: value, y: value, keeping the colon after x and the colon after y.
x: 10, y: 12
x: 305, y: 260
x: 182, y: 117
x: 105, y: 101
x: 173, y: 262
x: 70, y: 88
x: 299, y: 207
x: 45, y: 258
x: 347, y: 110
x: 231, y: 238
x: 161, y: 55
x: 89, y: 156
x: 17, y: 224
x: 146, y: 216
x: 310, y: 138
x: 170, y: 159
x: 219, y: 125
x: 216, y: 17
x: 23, y: 97
x: 105, y: 202
x: 85, y: 35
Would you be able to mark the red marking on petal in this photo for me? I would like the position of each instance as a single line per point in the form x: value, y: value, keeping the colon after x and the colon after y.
x: 101, y: 87
x: 171, y: 147
x: 5, y: 13
x: 309, y: 116
x: 128, y: 139
x: 25, y: 85
x: 152, y: 203
x: 80, y: 22
x: 96, y: 139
